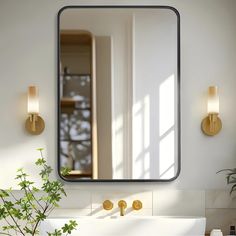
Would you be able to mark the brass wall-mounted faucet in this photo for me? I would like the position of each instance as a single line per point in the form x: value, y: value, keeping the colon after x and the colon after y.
x: 122, y: 205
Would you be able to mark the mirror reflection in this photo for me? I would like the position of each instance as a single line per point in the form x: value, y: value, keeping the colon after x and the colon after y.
x: 75, y: 102
x: 119, y: 94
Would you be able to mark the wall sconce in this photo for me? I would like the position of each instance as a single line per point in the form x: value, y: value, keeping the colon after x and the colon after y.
x: 211, y: 125
x: 34, y: 124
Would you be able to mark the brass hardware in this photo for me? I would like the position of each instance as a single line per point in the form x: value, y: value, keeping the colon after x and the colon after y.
x: 34, y: 124
x: 137, y: 205
x: 107, y: 205
x: 122, y: 205
x: 211, y: 125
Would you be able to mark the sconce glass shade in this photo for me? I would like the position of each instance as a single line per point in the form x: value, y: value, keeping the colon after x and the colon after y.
x: 211, y: 125
x: 34, y: 124
x: 213, y: 100
x: 33, y: 100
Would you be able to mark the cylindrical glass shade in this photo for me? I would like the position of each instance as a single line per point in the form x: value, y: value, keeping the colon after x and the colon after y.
x: 33, y: 101
x: 213, y: 100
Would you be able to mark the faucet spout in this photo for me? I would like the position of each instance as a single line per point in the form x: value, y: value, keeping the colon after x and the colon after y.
x: 122, y: 205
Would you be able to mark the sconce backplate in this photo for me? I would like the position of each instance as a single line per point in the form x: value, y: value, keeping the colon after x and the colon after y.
x: 213, y: 128
x: 39, y: 126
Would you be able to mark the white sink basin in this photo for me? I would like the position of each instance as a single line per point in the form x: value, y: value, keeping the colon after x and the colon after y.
x: 131, y: 226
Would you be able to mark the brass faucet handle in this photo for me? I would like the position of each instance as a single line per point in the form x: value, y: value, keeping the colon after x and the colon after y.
x: 137, y: 205
x: 122, y: 204
x: 107, y: 205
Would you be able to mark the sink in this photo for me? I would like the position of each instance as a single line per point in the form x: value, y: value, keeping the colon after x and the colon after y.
x: 131, y: 226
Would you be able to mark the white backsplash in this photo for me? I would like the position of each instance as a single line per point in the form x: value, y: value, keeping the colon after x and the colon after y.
x: 217, y: 205
x: 179, y: 203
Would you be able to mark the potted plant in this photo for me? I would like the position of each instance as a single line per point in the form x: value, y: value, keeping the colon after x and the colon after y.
x: 230, y: 178
x: 23, y: 215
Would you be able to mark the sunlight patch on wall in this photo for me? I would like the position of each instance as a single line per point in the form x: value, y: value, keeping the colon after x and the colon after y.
x: 167, y: 105
x: 167, y: 156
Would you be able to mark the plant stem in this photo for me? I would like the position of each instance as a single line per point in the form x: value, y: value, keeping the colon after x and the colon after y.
x: 35, y: 198
x: 11, y: 225
x: 36, y: 225
x: 26, y: 194
x: 13, y: 218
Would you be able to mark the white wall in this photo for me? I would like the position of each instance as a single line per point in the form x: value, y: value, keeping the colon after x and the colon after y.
x: 155, y: 102
x: 28, y: 56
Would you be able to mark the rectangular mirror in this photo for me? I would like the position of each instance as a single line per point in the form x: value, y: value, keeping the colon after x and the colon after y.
x: 119, y: 93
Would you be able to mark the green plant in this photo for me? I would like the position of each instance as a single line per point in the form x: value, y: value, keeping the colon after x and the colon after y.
x: 23, y: 215
x: 230, y: 178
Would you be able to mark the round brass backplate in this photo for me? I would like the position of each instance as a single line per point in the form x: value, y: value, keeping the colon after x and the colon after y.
x: 211, y: 131
x: 107, y: 205
x: 39, y: 126
x: 137, y: 205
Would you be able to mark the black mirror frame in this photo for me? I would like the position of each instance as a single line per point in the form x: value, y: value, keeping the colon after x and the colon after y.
x: 178, y: 95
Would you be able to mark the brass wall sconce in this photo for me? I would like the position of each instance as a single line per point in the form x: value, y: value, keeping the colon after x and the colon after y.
x: 211, y: 125
x: 34, y: 124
